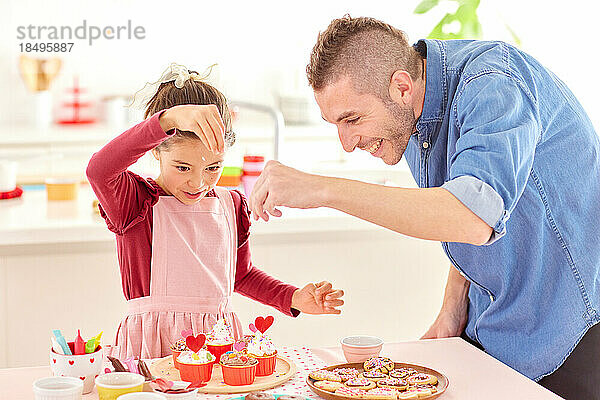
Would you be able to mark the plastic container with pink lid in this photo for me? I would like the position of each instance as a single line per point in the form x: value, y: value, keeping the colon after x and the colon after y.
x: 251, y: 170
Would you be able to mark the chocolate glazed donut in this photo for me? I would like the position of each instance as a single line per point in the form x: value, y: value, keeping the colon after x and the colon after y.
x: 290, y: 397
x: 259, y: 396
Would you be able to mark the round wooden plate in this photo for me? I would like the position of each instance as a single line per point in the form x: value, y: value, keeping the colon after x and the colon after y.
x: 441, y: 386
x: 284, y: 370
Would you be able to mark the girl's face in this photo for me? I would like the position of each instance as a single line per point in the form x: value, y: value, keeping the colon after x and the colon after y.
x: 188, y: 170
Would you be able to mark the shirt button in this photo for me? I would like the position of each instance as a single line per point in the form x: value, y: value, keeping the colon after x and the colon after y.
x: 425, y: 145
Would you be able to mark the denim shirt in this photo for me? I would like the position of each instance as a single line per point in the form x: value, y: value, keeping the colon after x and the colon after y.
x: 506, y: 137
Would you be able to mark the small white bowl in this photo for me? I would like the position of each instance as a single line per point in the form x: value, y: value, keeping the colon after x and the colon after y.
x: 360, y: 348
x: 58, y: 388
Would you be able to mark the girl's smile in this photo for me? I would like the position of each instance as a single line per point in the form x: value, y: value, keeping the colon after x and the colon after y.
x: 188, y: 170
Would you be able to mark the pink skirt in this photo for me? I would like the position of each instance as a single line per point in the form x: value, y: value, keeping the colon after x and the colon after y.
x: 146, y: 333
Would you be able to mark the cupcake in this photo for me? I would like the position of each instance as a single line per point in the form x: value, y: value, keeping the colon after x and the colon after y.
x: 176, y: 349
x: 195, y: 367
x: 220, y: 339
x: 238, y: 368
x: 261, y: 348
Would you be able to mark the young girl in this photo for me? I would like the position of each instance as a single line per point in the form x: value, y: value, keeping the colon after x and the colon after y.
x: 182, y: 242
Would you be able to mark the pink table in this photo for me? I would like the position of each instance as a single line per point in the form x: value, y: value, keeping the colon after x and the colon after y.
x: 472, y: 373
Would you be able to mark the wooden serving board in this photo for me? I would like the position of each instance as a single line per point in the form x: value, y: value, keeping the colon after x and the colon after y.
x: 441, y: 386
x: 284, y: 370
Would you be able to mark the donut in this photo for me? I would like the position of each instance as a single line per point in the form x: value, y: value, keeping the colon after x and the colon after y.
x: 394, y: 383
x: 422, y: 379
x: 403, y: 373
x: 373, y: 375
x: 428, y: 386
x: 259, y: 396
x: 328, y: 386
x: 360, y: 383
x: 290, y: 397
x: 382, y: 364
x: 324, y: 375
x: 346, y: 373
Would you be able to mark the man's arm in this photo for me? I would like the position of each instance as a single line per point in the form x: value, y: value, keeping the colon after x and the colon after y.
x: 452, y: 318
x: 431, y: 213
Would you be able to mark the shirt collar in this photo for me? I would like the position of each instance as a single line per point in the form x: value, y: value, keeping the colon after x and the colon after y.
x: 436, y: 88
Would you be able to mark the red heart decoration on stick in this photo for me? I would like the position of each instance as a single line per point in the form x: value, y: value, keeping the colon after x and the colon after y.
x: 71, y: 362
x: 92, y: 360
x: 195, y: 343
x: 262, y: 324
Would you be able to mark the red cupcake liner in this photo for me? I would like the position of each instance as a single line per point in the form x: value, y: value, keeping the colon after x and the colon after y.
x: 219, y: 349
x: 175, y: 355
x: 195, y: 372
x: 239, y: 375
x: 266, y: 364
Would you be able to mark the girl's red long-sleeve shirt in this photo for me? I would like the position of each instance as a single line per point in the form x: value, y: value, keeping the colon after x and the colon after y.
x: 126, y: 202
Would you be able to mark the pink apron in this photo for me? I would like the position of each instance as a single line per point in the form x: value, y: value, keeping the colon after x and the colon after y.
x: 194, y: 252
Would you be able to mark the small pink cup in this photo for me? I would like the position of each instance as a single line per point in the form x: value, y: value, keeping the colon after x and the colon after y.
x: 360, y: 348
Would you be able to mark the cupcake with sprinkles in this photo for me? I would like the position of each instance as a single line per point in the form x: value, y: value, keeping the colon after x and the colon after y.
x: 261, y: 347
x: 195, y: 365
x: 220, y: 339
x: 238, y: 368
x: 179, y: 346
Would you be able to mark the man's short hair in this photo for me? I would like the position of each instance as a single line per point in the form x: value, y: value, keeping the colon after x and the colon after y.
x: 367, y: 50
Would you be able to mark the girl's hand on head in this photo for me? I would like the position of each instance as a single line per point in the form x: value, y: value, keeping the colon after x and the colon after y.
x: 204, y: 120
x: 318, y: 298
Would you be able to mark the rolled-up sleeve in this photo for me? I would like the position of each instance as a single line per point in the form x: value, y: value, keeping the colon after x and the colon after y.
x: 482, y: 200
x: 493, y: 157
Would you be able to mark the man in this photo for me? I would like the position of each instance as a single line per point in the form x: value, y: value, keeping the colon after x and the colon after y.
x: 508, y: 169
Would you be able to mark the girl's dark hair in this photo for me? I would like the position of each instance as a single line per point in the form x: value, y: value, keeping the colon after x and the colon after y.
x: 193, y: 92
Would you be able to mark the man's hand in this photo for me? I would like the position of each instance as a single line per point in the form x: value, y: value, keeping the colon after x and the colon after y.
x: 280, y: 185
x: 204, y: 120
x: 452, y: 319
x: 447, y: 324
x: 318, y: 298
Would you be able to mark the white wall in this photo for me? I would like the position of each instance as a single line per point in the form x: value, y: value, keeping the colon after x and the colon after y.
x: 262, y: 46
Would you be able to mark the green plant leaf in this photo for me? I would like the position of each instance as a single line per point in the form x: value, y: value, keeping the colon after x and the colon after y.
x: 437, y: 32
x: 515, y: 37
x: 425, y: 6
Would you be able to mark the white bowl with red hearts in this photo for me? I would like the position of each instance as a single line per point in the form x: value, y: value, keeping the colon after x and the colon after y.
x: 86, y: 367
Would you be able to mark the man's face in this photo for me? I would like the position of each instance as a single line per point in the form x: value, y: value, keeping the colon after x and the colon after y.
x: 365, y: 121
x: 188, y: 170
